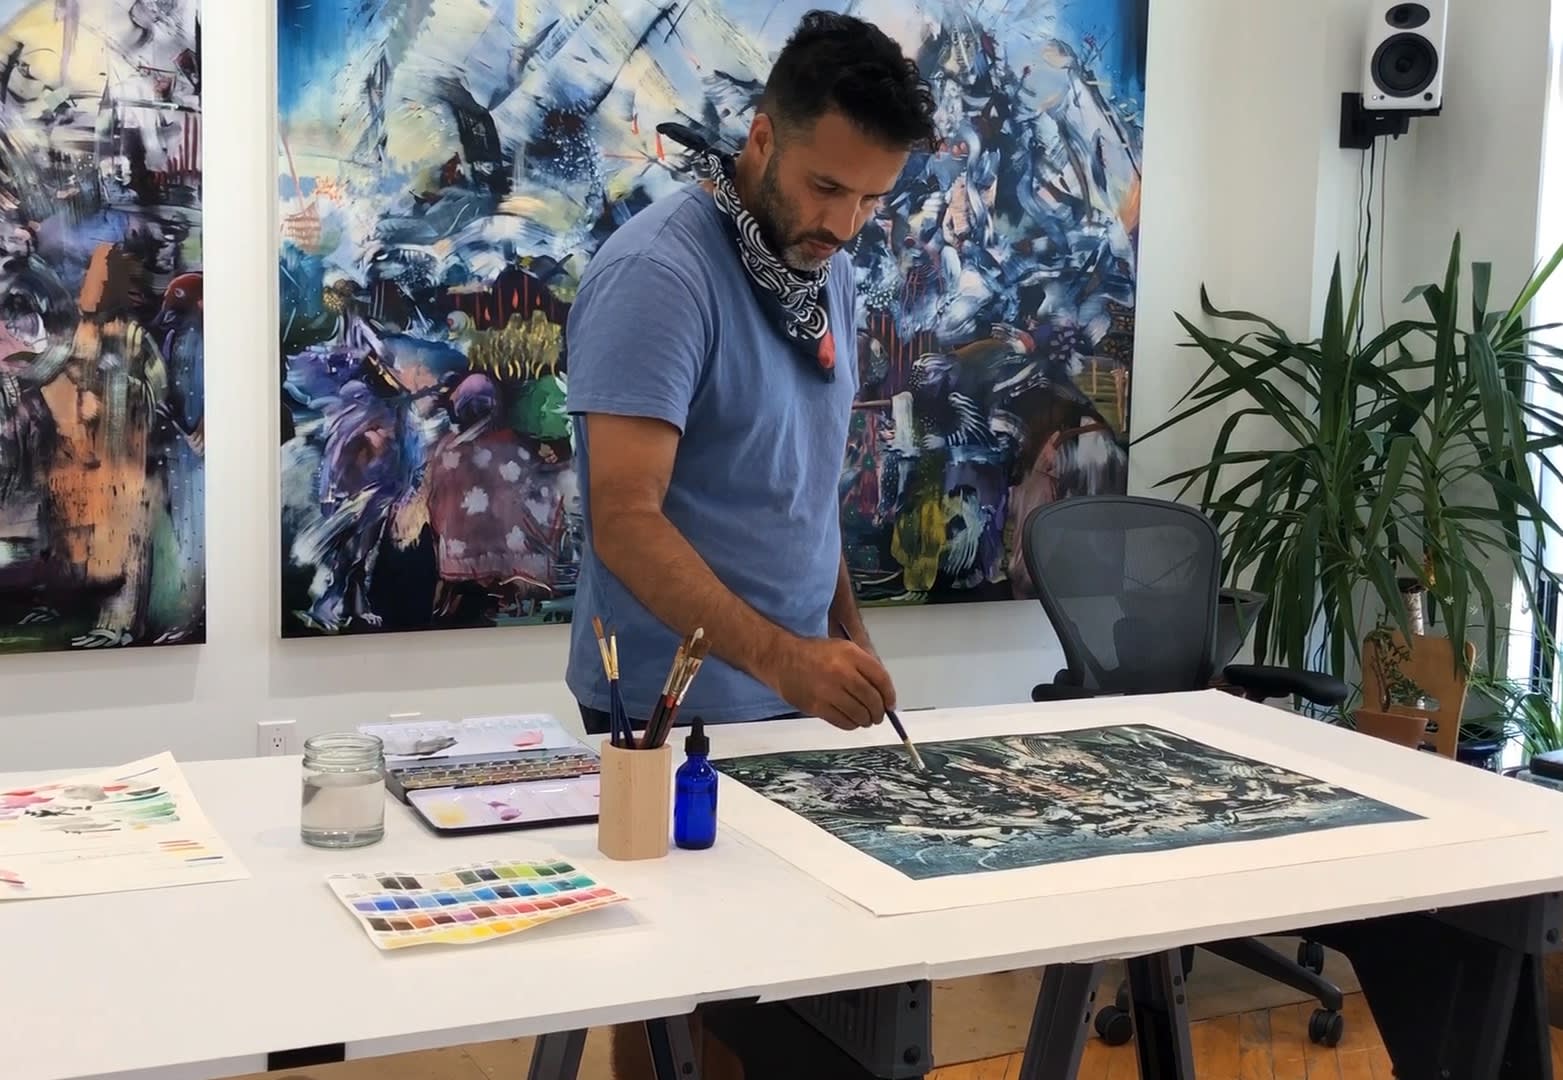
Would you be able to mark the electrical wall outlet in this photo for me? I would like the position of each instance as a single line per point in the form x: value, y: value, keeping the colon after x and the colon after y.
x: 274, y: 738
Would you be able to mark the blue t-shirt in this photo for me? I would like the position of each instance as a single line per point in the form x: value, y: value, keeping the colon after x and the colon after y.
x: 665, y: 325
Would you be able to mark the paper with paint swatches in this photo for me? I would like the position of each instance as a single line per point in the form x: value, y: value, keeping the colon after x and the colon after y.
x: 137, y: 826
x: 468, y: 904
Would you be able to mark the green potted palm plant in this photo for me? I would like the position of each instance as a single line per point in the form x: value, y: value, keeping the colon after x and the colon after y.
x: 1374, y: 466
x: 1511, y: 710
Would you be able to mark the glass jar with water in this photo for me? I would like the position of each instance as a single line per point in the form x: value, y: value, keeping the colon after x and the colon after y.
x: 344, y: 791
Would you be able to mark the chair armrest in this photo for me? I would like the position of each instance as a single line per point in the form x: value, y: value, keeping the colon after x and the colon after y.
x: 1259, y: 682
x: 1061, y: 692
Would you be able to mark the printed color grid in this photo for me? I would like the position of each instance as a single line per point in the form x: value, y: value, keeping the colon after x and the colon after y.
x: 467, y: 904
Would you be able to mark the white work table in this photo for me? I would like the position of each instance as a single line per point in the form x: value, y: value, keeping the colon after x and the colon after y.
x: 204, y: 981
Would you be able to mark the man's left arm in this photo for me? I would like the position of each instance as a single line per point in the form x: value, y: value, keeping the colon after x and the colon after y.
x: 844, y: 611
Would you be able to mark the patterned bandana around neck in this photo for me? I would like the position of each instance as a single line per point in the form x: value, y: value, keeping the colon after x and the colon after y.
x: 795, y: 299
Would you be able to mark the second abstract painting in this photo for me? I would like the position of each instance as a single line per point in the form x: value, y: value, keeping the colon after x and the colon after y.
x: 447, y: 168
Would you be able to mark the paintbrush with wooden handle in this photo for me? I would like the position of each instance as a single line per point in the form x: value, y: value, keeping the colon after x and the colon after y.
x: 895, y: 721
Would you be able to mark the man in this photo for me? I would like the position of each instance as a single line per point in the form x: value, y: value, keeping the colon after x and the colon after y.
x: 712, y: 358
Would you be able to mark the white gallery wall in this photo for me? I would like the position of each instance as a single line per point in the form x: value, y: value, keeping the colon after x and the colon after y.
x: 1245, y: 190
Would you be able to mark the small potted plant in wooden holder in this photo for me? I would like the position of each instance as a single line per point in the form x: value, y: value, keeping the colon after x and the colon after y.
x: 1394, y: 715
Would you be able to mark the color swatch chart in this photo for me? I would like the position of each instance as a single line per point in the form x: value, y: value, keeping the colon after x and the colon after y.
x: 467, y: 904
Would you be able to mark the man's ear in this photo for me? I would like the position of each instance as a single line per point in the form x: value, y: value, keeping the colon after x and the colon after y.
x: 762, y: 136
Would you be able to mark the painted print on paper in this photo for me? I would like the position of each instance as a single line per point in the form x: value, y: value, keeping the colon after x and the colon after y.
x: 447, y: 168
x: 1016, y: 801
x: 102, y: 520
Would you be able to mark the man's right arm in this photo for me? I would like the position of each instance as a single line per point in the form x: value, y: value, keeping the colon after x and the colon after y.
x: 632, y: 460
x: 637, y: 343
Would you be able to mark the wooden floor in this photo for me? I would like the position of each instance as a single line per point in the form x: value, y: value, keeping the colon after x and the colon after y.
x: 1269, y: 1045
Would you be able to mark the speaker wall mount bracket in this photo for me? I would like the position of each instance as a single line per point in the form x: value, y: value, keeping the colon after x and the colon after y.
x: 1360, y: 127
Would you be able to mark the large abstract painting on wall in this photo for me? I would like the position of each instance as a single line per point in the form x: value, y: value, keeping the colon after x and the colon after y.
x: 102, y: 521
x: 447, y: 168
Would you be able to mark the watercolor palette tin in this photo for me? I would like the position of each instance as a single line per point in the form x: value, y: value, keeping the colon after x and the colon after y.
x: 530, y: 804
x: 467, y: 904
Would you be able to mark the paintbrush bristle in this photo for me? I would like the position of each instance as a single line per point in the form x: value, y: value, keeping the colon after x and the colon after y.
x: 916, y: 757
x: 678, y: 664
x: 690, y: 672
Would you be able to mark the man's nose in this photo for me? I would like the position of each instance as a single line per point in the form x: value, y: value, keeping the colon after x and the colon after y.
x: 844, y: 220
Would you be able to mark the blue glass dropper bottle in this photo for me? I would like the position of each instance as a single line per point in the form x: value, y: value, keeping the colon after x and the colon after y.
x: 694, y: 799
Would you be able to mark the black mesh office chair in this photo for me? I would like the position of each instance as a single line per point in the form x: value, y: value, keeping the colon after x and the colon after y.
x: 1131, y: 586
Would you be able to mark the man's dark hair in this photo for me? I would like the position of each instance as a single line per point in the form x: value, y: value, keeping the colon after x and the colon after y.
x: 835, y: 61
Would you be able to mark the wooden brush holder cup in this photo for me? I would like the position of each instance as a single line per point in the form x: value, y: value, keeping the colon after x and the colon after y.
x: 635, y: 802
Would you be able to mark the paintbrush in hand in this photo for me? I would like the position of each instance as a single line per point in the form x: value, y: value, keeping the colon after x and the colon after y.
x: 895, y: 721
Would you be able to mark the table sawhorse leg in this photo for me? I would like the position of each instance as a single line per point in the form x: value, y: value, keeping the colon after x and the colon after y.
x: 1459, y: 993
x: 557, y: 1055
x: 1158, y: 986
x: 1061, y: 1022
x: 672, y: 1049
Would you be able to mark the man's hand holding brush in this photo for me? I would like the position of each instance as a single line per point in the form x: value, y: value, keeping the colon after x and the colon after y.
x: 832, y: 678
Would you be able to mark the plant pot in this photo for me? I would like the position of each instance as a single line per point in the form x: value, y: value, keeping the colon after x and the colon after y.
x: 1403, y: 729
x: 1484, y: 753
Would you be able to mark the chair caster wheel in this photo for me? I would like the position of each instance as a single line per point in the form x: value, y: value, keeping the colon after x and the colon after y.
x: 1325, y: 1028
x: 1310, y: 955
x: 1123, y: 1001
x: 1114, y: 1025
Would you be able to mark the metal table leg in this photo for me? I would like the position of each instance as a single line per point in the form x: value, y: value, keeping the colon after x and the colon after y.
x: 557, y: 1056
x: 1161, y: 1021
x: 1459, y: 993
x: 672, y: 1049
x: 1060, y: 1022
x: 1529, y: 1049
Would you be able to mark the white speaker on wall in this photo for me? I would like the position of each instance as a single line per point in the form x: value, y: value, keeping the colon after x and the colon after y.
x: 1404, y: 62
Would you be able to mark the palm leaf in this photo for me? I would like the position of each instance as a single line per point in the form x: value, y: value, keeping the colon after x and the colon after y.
x: 1528, y: 294
x: 1237, y: 316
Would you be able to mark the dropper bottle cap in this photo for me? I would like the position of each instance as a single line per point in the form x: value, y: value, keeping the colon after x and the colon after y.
x: 696, y: 743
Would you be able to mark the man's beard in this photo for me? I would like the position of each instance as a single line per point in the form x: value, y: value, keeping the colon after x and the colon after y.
x: 778, y: 225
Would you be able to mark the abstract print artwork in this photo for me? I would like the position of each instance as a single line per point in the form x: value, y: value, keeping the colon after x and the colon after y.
x: 1014, y: 801
x: 448, y: 167
x: 102, y: 520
